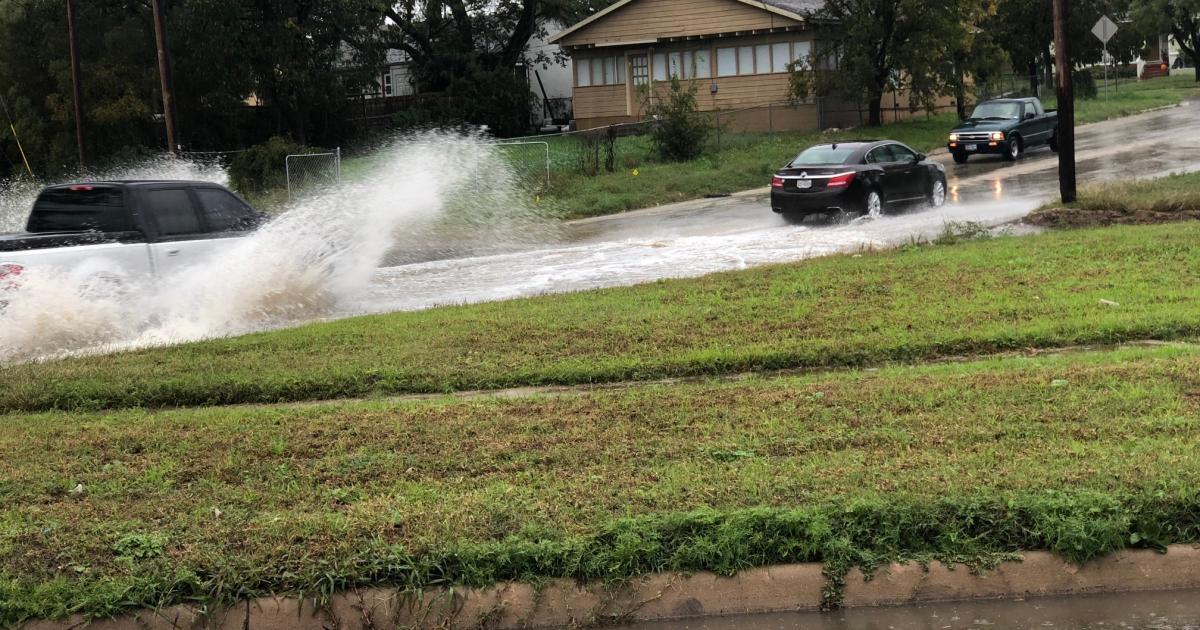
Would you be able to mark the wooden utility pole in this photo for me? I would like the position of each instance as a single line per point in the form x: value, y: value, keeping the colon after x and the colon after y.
x: 76, y: 82
x: 164, y: 73
x: 1066, y: 104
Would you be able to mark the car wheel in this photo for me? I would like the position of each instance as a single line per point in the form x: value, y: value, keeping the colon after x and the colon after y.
x: 937, y: 192
x: 873, y: 204
x: 1014, y: 149
x: 959, y: 157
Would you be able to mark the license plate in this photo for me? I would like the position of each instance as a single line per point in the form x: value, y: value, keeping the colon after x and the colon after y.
x: 972, y: 147
x: 804, y: 183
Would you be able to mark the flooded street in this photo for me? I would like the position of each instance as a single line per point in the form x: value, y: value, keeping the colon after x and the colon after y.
x: 1171, y: 610
x: 704, y: 236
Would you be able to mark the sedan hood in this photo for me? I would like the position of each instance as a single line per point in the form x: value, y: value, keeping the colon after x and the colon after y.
x: 984, y: 125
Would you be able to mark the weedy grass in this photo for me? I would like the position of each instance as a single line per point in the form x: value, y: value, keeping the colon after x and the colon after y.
x: 1131, y: 97
x: 1162, y: 199
x: 1080, y: 454
x: 916, y: 303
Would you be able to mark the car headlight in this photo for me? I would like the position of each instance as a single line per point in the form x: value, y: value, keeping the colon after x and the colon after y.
x: 997, y: 135
x: 953, y: 137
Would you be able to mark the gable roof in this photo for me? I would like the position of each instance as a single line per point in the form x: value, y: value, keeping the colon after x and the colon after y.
x: 795, y: 9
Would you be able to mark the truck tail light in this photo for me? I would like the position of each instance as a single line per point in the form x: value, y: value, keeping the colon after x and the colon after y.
x: 9, y: 275
x: 841, y: 180
x: 776, y: 182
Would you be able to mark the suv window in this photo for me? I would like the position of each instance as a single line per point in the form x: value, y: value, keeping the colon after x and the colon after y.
x: 173, y: 211
x: 80, y: 208
x: 902, y: 154
x: 223, y: 211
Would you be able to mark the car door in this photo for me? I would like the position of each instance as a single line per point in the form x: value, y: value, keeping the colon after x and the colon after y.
x: 180, y: 239
x: 905, y: 173
x: 889, y: 180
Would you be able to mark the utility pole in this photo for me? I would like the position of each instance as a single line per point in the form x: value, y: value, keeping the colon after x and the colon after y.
x: 76, y: 82
x: 164, y: 73
x: 1066, y: 104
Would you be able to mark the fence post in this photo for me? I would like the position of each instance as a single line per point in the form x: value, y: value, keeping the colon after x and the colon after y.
x: 337, y: 165
x: 287, y: 174
x: 718, y: 125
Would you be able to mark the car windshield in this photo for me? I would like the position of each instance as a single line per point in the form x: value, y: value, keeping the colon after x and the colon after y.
x: 997, y: 110
x: 825, y: 154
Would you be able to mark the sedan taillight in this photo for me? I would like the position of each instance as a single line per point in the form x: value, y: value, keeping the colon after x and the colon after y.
x: 840, y: 180
x: 776, y: 182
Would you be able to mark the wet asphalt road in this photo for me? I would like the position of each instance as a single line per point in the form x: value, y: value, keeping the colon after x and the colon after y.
x: 709, y: 235
x: 1175, y: 610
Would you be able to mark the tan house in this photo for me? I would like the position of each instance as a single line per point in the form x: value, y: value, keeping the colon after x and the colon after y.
x: 735, y: 51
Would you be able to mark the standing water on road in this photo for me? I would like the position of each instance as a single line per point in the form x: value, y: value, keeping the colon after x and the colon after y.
x: 314, y: 260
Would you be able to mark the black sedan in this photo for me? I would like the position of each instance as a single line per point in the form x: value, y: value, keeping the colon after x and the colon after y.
x: 867, y: 177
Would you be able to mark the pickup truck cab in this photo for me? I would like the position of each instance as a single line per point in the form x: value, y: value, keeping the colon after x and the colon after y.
x: 1007, y: 127
x: 114, y: 232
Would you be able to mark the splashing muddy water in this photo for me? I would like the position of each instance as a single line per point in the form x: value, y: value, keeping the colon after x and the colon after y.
x: 311, y: 261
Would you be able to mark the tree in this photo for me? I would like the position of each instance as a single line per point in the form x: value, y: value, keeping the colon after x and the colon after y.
x: 970, y: 51
x: 869, y: 47
x: 1179, y: 17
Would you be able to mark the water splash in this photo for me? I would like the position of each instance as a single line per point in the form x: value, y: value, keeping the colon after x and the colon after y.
x: 314, y: 260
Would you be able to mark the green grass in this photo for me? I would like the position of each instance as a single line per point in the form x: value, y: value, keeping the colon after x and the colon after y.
x: 1170, y: 198
x: 1080, y: 454
x: 1132, y: 97
x: 898, y: 305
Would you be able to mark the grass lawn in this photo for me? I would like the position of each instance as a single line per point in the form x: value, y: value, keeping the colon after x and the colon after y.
x: 1080, y: 454
x: 1156, y: 200
x: 899, y: 305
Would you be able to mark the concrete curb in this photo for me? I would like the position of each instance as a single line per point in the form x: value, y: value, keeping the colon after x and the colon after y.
x: 564, y: 603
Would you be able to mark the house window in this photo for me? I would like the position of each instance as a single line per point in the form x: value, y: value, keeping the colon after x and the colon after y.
x: 726, y: 62
x: 745, y: 62
x: 641, y: 70
x: 597, y: 72
x: 802, y: 52
x: 618, y: 76
x: 610, y: 70
x: 583, y: 72
x: 780, y: 56
x: 675, y: 65
x: 699, y: 66
x: 660, y: 67
x: 762, y: 58
x: 387, y: 84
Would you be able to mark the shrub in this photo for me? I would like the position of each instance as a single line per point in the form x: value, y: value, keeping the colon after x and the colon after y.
x: 1084, y: 84
x: 679, y: 131
x: 261, y: 167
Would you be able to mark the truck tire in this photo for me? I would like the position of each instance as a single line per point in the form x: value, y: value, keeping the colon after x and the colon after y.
x: 959, y: 157
x: 1014, y: 149
x: 1053, y: 143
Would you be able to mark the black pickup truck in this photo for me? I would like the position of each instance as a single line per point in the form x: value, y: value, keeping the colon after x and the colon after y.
x: 1006, y: 126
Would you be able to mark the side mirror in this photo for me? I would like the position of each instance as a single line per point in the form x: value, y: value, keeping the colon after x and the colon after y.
x: 1030, y: 116
x: 920, y: 157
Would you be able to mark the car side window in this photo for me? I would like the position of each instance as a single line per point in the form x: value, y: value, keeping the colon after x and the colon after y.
x: 173, y: 211
x: 224, y: 212
x: 902, y: 154
x: 879, y: 155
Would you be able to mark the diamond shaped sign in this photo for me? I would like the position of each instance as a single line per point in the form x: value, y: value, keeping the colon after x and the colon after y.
x: 1104, y: 29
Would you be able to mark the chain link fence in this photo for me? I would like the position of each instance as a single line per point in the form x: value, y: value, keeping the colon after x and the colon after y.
x: 307, y: 171
x: 530, y: 161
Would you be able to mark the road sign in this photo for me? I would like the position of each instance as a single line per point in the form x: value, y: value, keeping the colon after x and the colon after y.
x: 1104, y: 29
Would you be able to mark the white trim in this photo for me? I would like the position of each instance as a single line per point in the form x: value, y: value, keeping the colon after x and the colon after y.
x: 758, y: 4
